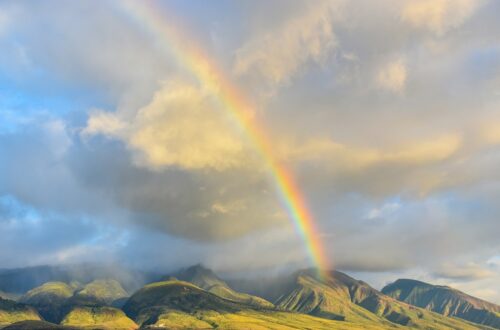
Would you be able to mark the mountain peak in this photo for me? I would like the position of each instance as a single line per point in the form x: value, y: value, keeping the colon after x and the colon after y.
x: 444, y: 300
x: 200, y: 276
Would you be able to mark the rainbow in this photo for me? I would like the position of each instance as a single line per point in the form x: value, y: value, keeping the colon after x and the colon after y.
x: 206, y: 71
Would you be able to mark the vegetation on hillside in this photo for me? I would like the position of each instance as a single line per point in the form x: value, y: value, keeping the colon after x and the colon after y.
x: 209, y: 281
x: 49, y: 300
x: 445, y: 300
x: 100, y: 317
x: 11, y: 312
x: 204, y: 301
x: 100, y: 292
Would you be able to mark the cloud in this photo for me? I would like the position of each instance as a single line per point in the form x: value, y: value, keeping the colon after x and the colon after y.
x: 470, y: 271
x: 392, y: 76
x: 93, y: 143
x: 413, y: 167
x: 181, y: 126
x: 438, y: 16
x: 279, y: 54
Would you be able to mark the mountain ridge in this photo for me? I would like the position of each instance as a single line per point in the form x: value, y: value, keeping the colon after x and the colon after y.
x: 196, y: 297
x: 445, y: 300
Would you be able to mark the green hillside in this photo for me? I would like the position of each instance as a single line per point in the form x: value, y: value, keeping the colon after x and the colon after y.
x: 100, y: 292
x: 209, y: 281
x: 181, y: 305
x: 49, y: 300
x: 202, y: 300
x: 445, y: 300
x: 38, y: 325
x: 98, y: 317
x: 344, y: 298
x: 11, y: 312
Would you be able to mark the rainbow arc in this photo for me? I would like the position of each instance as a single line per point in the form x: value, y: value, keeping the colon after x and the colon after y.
x: 206, y: 71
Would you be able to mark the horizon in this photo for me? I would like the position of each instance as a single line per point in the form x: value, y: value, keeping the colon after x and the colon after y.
x: 254, y: 137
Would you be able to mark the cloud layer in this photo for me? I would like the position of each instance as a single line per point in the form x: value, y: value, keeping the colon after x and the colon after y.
x: 386, y: 113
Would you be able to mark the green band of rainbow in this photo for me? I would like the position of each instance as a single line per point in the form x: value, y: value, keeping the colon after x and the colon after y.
x: 200, y: 65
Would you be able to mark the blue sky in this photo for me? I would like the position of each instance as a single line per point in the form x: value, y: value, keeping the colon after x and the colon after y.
x: 386, y: 112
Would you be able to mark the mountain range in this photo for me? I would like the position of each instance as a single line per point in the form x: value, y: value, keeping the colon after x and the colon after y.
x: 197, y: 298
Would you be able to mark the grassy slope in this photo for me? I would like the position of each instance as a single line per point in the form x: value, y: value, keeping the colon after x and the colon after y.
x: 206, y: 279
x: 445, y: 300
x: 328, y: 300
x: 48, y: 291
x: 11, y: 312
x: 182, y: 305
x: 49, y: 299
x: 37, y: 325
x: 251, y: 319
x: 101, y: 317
x: 103, y: 291
x: 359, y: 303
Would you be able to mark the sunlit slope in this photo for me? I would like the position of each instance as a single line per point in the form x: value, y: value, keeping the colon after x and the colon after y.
x: 101, y: 317
x: 445, y: 300
x: 344, y: 298
x: 182, y: 305
x: 209, y: 281
x: 49, y: 299
x: 38, y: 325
x: 11, y: 312
x: 100, y: 292
x: 53, y: 300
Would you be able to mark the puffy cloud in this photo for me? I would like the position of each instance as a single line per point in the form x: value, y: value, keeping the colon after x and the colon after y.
x: 439, y: 16
x: 182, y: 126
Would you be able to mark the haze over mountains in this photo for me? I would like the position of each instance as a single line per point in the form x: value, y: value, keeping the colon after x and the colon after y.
x: 261, y: 138
x: 196, y: 298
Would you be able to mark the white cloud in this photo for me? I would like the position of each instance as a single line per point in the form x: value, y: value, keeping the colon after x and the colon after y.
x: 439, y: 16
x: 182, y: 127
x: 279, y: 54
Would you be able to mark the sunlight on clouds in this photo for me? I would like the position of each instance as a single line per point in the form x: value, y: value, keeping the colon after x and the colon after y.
x: 233, y: 207
x: 180, y: 127
x: 105, y: 123
x: 392, y: 77
x: 491, y: 133
x: 468, y: 271
x: 352, y: 157
x: 438, y: 16
x: 281, y: 53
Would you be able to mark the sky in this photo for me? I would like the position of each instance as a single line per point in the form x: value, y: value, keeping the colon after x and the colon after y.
x: 386, y: 112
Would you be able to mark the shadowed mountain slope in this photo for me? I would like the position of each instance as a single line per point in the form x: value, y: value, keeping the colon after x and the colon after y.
x: 100, y: 292
x: 181, y: 305
x: 344, y: 298
x: 49, y: 300
x: 206, y: 279
x: 53, y: 300
x: 21, y: 280
x: 11, y: 312
x: 445, y: 300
